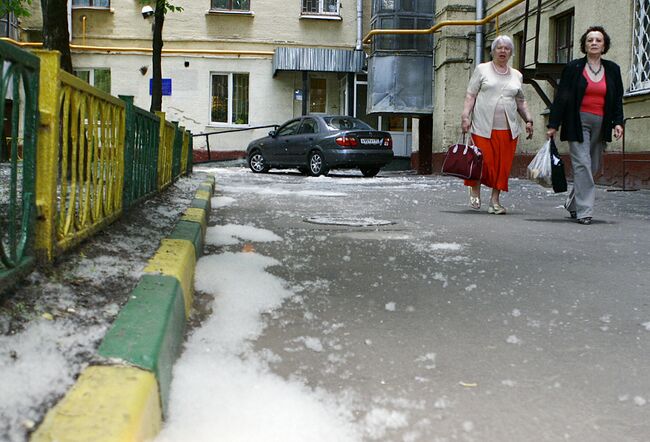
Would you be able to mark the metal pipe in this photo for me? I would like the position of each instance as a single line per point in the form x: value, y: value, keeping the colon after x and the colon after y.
x: 132, y: 49
x: 480, y: 12
x: 359, y: 45
x: 442, y: 24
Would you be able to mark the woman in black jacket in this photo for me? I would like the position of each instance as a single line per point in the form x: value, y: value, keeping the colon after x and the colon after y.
x: 588, y: 105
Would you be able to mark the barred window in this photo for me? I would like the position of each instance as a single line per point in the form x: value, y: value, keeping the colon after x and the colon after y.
x: 231, y: 5
x: 320, y: 6
x: 641, y: 47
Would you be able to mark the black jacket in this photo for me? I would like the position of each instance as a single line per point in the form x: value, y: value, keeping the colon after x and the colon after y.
x: 565, y: 111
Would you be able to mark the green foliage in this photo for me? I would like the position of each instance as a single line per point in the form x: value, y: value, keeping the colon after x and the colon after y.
x: 18, y: 7
x: 168, y: 7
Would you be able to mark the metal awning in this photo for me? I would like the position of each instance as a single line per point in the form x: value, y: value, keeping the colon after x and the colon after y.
x: 317, y: 60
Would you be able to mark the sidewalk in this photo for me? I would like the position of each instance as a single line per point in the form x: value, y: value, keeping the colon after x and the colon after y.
x: 52, y: 323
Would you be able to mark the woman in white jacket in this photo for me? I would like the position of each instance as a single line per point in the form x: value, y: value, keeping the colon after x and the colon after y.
x: 494, y: 98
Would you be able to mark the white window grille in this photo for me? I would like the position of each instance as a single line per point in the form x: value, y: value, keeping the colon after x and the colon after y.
x: 312, y: 7
x: 641, y: 47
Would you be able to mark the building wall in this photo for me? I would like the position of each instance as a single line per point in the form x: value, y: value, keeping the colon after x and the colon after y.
x: 271, y: 24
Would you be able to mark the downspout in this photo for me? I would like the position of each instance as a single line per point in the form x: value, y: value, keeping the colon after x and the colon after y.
x: 359, y: 46
x: 480, y: 12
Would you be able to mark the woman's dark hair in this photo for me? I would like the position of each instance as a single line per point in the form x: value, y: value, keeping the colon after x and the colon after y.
x: 583, y: 39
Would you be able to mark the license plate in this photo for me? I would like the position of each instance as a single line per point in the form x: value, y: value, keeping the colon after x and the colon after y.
x: 370, y: 141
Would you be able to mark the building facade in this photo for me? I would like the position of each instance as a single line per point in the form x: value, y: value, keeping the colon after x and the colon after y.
x: 553, y: 41
x: 237, y: 64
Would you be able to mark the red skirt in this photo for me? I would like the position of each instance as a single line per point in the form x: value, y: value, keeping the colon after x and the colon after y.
x: 498, y: 154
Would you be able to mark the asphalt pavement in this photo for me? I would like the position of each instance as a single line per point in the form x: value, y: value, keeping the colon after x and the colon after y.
x: 526, y: 326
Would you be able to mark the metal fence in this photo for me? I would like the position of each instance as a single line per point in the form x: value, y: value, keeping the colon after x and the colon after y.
x: 97, y: 155
x: 19, y: 115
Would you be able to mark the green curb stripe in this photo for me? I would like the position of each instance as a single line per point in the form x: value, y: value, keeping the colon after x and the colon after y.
x: 197, y: 215
x: 148, y: 332
x: 201, y: 204
x: 190, y: 231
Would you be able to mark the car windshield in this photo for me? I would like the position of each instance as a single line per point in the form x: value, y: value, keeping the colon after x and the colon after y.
x: 346, y: 123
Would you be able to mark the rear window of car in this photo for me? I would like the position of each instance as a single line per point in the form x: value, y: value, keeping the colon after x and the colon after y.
x: 341, y: 123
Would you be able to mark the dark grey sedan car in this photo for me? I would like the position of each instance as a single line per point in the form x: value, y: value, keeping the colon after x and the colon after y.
x: 315, y: 144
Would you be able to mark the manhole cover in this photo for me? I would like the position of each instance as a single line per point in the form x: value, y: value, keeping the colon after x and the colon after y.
x: 344, y: 221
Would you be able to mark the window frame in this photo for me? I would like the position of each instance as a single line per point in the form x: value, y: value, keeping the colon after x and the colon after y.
x: 91, y: 76
x: 231, y: 9
x: 640, y: 68
x: 230, y: 120
x: 321, y: 9
x: 568, y: 42
x: 90, y: 5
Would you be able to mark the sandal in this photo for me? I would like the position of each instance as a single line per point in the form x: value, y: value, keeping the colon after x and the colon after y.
x: 496, y: 209
x: 474, y: 201
x: 573, y: 214
x: 585, y: 221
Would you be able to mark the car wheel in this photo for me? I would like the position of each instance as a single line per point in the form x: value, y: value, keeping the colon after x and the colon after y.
x: 257, y: 163
x: 317, y: 164
x: 369, y: 171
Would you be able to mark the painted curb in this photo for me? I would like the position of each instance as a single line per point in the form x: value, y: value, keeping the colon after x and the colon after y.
x: 126, y: 397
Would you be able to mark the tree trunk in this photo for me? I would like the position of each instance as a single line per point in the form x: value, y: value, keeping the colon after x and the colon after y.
x: 156, y: 58
x: 55, y: 30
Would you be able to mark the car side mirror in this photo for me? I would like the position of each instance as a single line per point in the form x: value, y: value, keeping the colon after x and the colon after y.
x: 272, y: 133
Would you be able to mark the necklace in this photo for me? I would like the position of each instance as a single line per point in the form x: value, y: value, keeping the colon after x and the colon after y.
x: 494, y: 65
x: 595, y: 72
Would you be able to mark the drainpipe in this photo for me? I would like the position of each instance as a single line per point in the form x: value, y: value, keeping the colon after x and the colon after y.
x: 358, y: 46
x: 480, y: 12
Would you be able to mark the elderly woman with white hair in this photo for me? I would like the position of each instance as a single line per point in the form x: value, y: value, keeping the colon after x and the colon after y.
x: 494, y: 98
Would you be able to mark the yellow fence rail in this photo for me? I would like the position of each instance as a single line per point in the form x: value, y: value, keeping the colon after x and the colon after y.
x: 80, y: 159
x: 166, y: 152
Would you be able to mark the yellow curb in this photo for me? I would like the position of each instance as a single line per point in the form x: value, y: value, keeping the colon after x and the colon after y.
x: 177, y: 258
x: 203, y: 195
x: 106, y: 404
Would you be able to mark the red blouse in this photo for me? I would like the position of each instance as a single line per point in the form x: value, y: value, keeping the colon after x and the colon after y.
x: 594, y: 100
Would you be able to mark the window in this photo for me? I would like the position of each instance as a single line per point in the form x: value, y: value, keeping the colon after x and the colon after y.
x: 317, y: 95
x: 98, y: 77
x: 518, y: 40
x: 231, y: 5
x: 229, y: 99
x: 641, y: 47
x: 564, y: 37
x: 92, y: 3
x: 320, y: 7
x: 309, y: 126
x: 291, y: 128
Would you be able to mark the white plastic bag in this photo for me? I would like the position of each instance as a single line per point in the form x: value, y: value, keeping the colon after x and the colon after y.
x: 539, y: 170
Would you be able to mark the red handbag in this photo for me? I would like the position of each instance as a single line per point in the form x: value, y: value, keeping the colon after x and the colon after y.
x: 463, y: 161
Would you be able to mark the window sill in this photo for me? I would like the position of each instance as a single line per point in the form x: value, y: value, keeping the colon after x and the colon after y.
x: 94, y: 8
x: 321, y: 17
x: 228, y: 125
x: 229, y: 12
x: 639, y: 95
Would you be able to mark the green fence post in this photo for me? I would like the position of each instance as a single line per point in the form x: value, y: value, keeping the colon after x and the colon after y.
x: 129, y: 132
